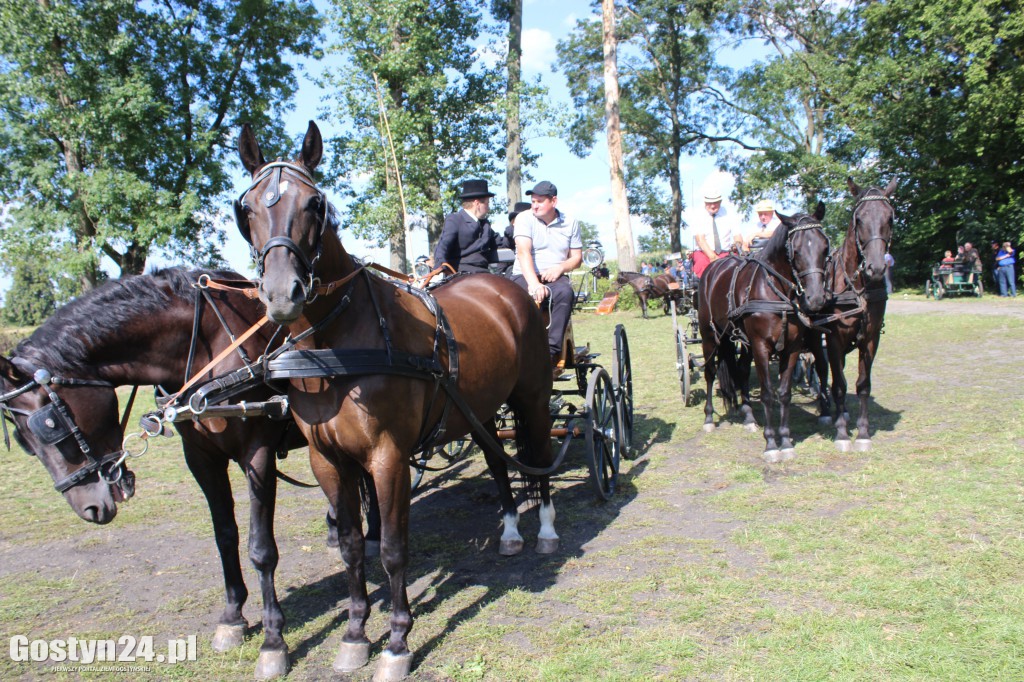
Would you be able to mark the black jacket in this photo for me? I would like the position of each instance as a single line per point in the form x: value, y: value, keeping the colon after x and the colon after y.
x: 466, y: 244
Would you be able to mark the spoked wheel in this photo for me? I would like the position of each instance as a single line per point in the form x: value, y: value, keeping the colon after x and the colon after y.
x: 977, y: 290
x: 622, y: 370
x: 928, y: 289
x: 602, y: 434
x: 939, y: 292
x: 683, y: 366
x: 449, y: 452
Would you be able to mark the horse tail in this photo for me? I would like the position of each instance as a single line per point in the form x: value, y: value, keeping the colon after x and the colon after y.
x: 726, y: 374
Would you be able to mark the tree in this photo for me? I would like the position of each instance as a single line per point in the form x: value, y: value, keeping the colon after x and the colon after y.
x: 512, y: 12
x: 32, y: 297
x: 117, y: 117
x: 620, y: 203
x: 668, y: 102
x: 421, y: 111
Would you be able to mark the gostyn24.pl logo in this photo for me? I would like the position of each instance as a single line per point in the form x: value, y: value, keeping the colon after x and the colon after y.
x: 125, y: 649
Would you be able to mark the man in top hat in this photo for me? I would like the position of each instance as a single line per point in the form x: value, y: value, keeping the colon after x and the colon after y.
x: 765, y: 226
x: 549, y: 245
x: 467, y: 241
x: 714, y: 232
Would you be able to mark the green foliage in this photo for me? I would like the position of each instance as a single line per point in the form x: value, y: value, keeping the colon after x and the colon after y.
x: 667, y: 106
x: 32, y: 297
x: 116, y: 118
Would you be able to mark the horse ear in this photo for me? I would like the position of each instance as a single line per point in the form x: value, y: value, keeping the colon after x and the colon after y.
x: 854, y: 189
x: 249, y: 150
x: 819, y: 211
x: 9, y: 372
x: 312, y: 147
x: 890, y: 188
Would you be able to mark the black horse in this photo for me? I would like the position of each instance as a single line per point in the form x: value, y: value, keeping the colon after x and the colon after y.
x: 854, y: 319
x: 58, y: 388
x: 761, y: 303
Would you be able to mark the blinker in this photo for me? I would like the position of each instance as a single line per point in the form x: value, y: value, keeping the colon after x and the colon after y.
x: 48, y: 425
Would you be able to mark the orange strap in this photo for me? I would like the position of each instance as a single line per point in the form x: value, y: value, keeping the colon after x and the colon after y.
x: 241, y: 286
x: 220, y: 358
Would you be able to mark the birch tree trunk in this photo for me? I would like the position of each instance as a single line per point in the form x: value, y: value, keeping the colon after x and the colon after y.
x: 620, y: 203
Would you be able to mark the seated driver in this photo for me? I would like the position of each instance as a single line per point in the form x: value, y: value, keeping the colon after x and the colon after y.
x: 549, y: 245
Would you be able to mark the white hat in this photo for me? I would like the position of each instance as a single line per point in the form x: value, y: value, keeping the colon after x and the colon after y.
x: 764, y: 206
x: 712, y: 195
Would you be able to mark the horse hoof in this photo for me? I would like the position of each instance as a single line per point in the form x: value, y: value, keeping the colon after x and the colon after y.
x: 371, y: 548
x: 351, y: 656
x: 770, y: 456
x: 271, y: 664
x: 825, y: 421
x: 843, y: 446
x: 391, y: 668
x: 862, y: 444
x: 510, y: 547
x: 751, y: 427
x: 228, y: 637
x: 547, y: 545
x: 787, y: 454
x: 709, y: 427
x: 332, y: 541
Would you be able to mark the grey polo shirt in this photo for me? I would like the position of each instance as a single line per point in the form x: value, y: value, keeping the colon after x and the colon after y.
x: 551, y: 243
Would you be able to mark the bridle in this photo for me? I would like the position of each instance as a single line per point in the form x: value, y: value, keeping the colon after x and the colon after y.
x: 275, y: 170
x: 861, y: 245
x: 799, y: 275
x: 53, y: 423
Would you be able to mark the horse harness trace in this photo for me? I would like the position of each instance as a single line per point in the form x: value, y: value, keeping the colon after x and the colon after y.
x: 786, y: 290
x: 53, y: 423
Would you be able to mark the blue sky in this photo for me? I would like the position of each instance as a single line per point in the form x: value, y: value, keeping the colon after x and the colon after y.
x: 583, y: 184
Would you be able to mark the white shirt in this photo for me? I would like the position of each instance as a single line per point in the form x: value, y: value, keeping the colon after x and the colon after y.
x: 728, y: 228
x: 551, y: 242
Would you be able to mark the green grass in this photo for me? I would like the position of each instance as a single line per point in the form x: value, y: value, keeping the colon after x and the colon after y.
x: 899, y: 563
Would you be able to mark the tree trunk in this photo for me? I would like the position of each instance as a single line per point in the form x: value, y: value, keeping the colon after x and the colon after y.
x: 620, y: 203
x: 513, y: 140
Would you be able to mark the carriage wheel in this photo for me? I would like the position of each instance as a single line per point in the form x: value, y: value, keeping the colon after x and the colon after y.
x: 602, y: 434
x: 622, y: 369
x: 977, y: 290
x: 928, y: 289
x: 450, y: 452
x: 939, y: 292
x: 683, y: 366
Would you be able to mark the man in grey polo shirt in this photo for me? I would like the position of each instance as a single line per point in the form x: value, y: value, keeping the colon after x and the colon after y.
x: 549, y: 246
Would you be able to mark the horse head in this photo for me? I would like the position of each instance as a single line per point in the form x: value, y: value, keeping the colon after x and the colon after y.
x: 283, y: 215
x: 86, y: 463
x: 871, y: 228
x: 807, y: 252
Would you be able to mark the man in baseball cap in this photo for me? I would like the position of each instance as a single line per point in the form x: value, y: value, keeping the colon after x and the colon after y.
x: 549, y: 245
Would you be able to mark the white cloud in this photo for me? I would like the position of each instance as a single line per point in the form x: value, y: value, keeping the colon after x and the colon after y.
x: 538, y: 50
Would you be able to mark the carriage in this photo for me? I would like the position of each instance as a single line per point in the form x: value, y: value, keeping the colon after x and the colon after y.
x: 682, y: 303
x: 952, y: 279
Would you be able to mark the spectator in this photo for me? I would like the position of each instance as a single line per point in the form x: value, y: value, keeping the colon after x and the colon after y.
x: 890, y: 264
x: 1005, y: 261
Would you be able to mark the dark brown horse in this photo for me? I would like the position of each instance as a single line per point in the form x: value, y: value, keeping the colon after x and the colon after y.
x: 645, y: 286
x: 380, y: 370
x: 761, y: 303
x: 855, y: 318
x: 137, y: 331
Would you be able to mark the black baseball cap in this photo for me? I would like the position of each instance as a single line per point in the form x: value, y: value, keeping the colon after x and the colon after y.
x: 544, y: 189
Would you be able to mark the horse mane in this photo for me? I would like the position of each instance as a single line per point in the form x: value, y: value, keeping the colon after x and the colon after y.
x: 776, y: 245
x: 63, y: 340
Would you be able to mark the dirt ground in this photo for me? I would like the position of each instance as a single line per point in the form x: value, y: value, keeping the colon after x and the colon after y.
x: 162, y: 575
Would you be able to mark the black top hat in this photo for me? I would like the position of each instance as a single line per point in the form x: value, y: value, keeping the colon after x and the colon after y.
x: 518, y: 208
x: 474, y: 189
x: 544, y: 189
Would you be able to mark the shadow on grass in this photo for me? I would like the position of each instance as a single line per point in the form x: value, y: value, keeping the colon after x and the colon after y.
x: 454, y: 529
